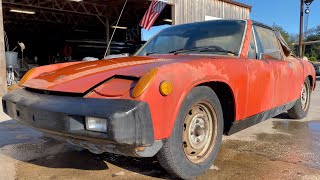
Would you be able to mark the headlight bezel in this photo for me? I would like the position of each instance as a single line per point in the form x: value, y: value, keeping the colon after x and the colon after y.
x: 27, y: 76
x: 144, y: 82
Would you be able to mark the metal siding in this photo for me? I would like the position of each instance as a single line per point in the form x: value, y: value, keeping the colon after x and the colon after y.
x: 187, y: 11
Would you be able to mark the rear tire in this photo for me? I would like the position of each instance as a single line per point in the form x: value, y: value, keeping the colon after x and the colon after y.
x: 301, y: 107
x: 196, y: 137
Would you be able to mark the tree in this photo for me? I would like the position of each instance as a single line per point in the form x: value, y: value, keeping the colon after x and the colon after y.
x: 313, y: 51
x: 290, y: 38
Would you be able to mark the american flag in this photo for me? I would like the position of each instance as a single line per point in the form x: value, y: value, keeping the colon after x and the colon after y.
x: 152, y: 14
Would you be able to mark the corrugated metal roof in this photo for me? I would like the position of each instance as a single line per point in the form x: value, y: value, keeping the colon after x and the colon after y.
x: 238, y: 4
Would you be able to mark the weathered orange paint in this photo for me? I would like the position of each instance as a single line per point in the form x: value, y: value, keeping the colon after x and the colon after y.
x: 246, y: 41
x: 115, y: 87
x: 257, y: 85
x: 88, y: 74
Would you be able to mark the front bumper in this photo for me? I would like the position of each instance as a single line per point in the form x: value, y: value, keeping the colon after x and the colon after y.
x: 129, y: 124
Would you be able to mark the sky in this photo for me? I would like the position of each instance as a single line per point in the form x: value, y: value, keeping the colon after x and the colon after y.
x: 284, y: 13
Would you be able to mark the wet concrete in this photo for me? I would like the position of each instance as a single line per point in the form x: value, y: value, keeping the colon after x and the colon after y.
x: 279, y: 148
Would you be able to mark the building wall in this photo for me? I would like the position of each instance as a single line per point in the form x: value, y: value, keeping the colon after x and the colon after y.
x: 187, y: 11
x: 3, y: 79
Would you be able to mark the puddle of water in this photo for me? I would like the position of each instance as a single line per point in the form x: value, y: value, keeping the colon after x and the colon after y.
x: 314, y: 126
x: 11, y: 132
x: 293, y: 127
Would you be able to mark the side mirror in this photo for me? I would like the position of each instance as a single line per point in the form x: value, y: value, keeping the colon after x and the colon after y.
x: 271, y: 54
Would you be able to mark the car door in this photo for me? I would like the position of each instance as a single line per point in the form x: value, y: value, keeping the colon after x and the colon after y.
x: 260, y: 78
x: 296, y: 79
x: 269, y: 49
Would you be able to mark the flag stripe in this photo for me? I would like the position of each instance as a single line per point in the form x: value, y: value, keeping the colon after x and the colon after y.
x: 152, y: 14
x: 147, y: 15
x: 151, y: 22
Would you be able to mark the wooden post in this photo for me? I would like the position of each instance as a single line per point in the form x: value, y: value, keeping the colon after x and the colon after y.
x: 3, y: 74
x: 301, y: 28
x: 139, y: 38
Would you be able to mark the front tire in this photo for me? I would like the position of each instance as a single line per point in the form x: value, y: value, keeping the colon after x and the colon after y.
x: 196, y: 137
x: 301, y: 107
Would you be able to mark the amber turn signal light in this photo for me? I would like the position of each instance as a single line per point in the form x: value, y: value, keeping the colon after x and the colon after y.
x: 144, y: 82
x: 165, y: 88
x: 26, y: 76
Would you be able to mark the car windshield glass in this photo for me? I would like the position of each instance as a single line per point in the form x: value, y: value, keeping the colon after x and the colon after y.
x: 225, y: 36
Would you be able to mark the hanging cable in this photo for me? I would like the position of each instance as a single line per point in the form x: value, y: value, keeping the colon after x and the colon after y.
x: 114, y: 31
x: 306, y: 23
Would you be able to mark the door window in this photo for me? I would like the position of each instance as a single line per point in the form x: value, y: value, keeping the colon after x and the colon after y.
x: 267, y: 42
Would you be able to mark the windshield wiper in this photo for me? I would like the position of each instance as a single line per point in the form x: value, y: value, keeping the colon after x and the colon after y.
x: 175, y: 52
x: 218, y: 50
x: 149, y: 53
x: 204, y: 49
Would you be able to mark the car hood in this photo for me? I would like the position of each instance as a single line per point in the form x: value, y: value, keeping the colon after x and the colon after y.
x: 80, y: 77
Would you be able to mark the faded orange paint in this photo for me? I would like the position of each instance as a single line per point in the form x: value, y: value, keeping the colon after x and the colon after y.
x: 115, y: 87
x: 257, y: 85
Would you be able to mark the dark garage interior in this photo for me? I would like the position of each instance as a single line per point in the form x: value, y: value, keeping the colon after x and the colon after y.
x: 60, y: 31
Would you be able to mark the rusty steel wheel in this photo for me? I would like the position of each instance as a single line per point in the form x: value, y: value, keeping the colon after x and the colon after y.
x: 301, y: 107
x: 305, y: 96
x: 196, y: 137
x: 199, y: 132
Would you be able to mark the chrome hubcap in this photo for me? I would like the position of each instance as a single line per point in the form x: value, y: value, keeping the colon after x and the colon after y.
x: 199, y: 132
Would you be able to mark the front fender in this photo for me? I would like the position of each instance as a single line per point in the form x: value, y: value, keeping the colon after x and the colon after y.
x: 185, y: 76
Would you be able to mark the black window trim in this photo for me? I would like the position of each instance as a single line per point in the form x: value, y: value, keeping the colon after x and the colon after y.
x: 255, y: 43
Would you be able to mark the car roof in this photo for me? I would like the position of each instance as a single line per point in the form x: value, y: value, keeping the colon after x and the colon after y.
x: 261, y: 25
x: 253, y: 22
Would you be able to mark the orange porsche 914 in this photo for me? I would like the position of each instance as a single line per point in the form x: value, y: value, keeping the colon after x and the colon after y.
x: 174, y: 99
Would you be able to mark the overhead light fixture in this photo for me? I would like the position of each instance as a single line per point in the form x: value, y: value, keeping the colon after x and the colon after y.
x: 22, y: 11
x: 167, y: 20
x: 119, y: 27
x: 76, y: 0
x: 81, y: 30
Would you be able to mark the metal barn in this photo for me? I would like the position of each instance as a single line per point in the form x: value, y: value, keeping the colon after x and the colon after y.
x: 186, y: 11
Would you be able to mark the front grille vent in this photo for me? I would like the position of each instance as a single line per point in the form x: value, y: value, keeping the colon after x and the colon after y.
x: 56, y: 93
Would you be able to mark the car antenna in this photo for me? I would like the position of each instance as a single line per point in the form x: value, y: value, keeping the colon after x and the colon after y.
x: 114, y: 31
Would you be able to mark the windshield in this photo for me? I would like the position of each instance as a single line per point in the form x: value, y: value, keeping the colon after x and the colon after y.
x: 210, y: 37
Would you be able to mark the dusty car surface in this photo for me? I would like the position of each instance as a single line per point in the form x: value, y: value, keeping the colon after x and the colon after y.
x: 174, y: 98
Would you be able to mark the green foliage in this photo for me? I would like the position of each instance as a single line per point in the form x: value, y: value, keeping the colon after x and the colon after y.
x: 313, y: 50
x: 290, y: 39
x: 312, y: 59
x: 313, y: 34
